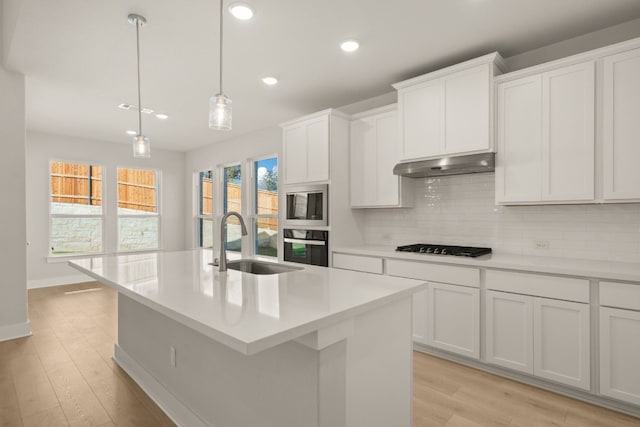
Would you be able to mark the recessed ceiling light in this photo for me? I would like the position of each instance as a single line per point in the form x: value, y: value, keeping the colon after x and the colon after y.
x: 270, y: 81
x: 132, y: 132
x: 241, y: 11
x: 349, y: 45
x: 162, y: 116
x: 135, y: 108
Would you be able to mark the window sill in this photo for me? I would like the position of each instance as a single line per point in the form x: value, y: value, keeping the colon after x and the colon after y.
x: 55, y: 259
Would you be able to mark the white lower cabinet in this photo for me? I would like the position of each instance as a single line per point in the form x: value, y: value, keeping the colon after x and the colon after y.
x: 547, y: 337
x: 561, y: 342
x: 620, y: 354
x: 453, y: 318
x: 509, y: 330
x: 620, y: 341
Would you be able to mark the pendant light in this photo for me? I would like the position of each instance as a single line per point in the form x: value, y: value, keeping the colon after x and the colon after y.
x: 141, y: 144
x: 220, y: 104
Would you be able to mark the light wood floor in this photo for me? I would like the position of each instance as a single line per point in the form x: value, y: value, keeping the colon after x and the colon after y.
x: 63, y: 375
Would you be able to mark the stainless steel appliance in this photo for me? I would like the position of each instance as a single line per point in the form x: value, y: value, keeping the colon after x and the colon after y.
x: 470, y: 163
x: 428, y: 248
x: 306, y: 205
x: 306, y: 246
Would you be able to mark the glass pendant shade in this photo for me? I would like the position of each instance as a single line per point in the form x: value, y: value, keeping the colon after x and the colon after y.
x: 141, y: 146
x: 220, y: 112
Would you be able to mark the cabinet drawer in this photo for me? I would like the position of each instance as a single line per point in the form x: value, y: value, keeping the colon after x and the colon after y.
x: 564, y: 288
x: 434, y: 272
x: 358, y: 263
x: 621, y: 295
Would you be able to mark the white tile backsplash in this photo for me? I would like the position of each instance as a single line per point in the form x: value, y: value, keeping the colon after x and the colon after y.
x: 460, y: 210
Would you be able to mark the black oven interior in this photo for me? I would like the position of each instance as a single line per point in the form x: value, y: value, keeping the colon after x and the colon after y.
x: 306, y: 246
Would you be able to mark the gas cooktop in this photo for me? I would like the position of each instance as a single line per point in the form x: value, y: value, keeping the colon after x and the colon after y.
x: 428, y: 248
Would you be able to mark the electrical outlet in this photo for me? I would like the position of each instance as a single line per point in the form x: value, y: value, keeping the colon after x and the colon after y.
x: 172, y: 356
x: 541, y: 244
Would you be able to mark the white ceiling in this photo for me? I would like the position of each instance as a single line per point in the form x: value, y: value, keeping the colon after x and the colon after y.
x: 79, y: 56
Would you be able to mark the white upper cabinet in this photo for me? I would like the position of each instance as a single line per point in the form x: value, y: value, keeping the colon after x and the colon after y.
x: 518, y: 170
x: 449, y: 111
x: 374, y: 151
x: 621, y: 126
x: 546, y: 137
x: 568, y: 143
x: 306, y: 149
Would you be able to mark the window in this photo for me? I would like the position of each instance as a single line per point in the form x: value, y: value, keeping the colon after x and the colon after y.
x: 138, y: 222
x: 266, y: 207
x: 232, y: 202
x: 76, y: 215
x: 205, y: 209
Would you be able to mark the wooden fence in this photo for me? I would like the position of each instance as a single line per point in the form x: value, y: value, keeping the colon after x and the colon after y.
x: 82, y: 184
x: 76, y: 183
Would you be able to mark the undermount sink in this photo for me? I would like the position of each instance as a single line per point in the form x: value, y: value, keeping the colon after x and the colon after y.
x: 259, y: 267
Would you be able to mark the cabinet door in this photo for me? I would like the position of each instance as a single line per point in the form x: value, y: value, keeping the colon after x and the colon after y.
x: 318, y: 149
x: 388, y: 184
x: 518, y: 168
x: 454, y: 319
x: 561, y: 341
x: 621, y: 122
x: 620, y: 354
x: 295, y: 153
x: 421, y: 111
x: 420, y: 317
x: 568, y: 144
x: 363, y: 161
x: 509, y: 330
x: 467, y: 102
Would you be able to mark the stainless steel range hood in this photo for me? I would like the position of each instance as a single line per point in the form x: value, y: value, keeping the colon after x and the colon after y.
x: 471, y: 163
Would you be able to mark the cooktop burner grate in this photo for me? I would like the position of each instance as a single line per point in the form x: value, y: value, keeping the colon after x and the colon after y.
x: 428, y: 248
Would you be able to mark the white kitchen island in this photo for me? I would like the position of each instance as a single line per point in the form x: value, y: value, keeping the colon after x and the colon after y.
x: 314, y: 347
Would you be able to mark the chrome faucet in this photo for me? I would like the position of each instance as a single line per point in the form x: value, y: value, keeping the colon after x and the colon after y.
x: 223, y: 237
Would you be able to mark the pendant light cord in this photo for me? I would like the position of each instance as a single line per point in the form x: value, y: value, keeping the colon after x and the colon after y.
x: 221, y: 1
x: 138, y: 63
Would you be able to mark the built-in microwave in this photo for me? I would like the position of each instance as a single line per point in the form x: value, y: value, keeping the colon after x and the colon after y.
x: 306, y: 205
x: 306, y: 246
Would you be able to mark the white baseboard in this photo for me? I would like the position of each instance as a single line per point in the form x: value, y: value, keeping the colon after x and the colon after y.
x: 176, y: 410
x: 57, y: 281
x: 17, y: 330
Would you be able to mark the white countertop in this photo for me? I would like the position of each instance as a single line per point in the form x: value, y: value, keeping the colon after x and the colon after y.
x: 566, y: 266
x: 246, y: 312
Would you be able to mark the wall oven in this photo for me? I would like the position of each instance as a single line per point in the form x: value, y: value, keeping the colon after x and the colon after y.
x: 306, y: 246
x: 306, y: 205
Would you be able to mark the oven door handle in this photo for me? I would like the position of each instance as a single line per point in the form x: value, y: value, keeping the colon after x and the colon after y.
x: 306, y: 242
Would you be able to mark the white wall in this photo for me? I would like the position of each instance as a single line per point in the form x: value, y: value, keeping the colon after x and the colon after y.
x: 610, y: 35
x: 460, y: 210
x: 251, y: 146
x: 13, y: 255
x: 42, y: 148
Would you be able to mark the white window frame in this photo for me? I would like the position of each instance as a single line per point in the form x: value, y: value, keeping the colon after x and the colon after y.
x: 157, y: 214
x: 255, y: 217
x: 102, y: 215
x: 198, y: 217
